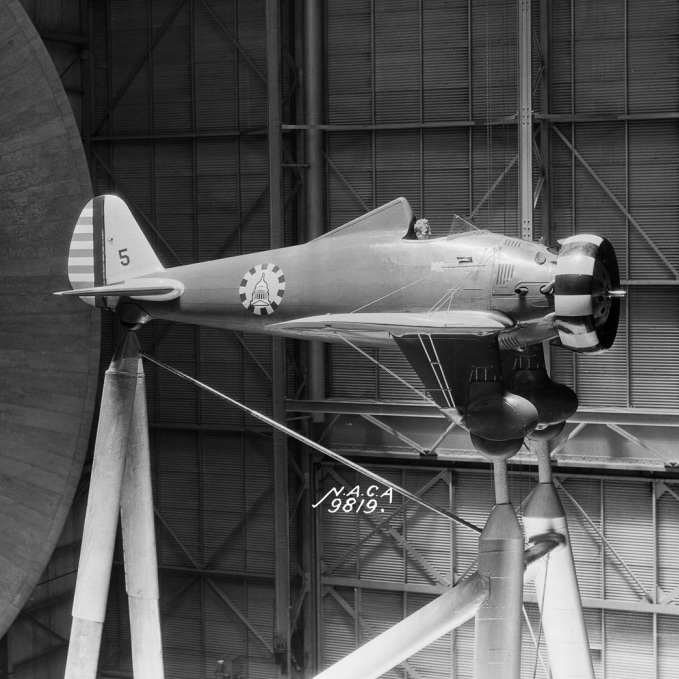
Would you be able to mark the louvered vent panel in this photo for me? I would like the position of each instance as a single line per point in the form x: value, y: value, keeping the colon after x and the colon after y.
x: 628, y: 647
x: 172, y: 84
x: 397, y: 62
x: 251, y: 32
x: 446, y: 177
x: 397, y: 165
x: 128, y: 85
x: 435, y: 660
x: 494, y: 62
x: 215, y: 59
x: 182, y: 630
x: 222, y: 368
x: 349, y: 53
x: 654, y: 175
x: 217, y: 197
x: 602, y: 379
x: 668, y: 646
x: 134, y: 161
x: 350, y: 177
x: 493, y: 159
x: 561, y: 51
x: 445, y: 61
x: 180, y: 399
x: 225, y: 505
x: 653, y: 53
x: 350, y: 374
x: 668, y: 539
x: 473, y: 502
x: 429, y: 535
x: 391, y: 389
x: 463, y: 655
x: 628, y: 525
x: 654, y: 336
x: 339, y: 630
x: 225, y: 634
x: 599, y: 77
x: 174, y: 198
x: 259, y: 543
x: 534, y: 660
x: 584, y: 524
x: 177, y: 497
x: 382, y: 556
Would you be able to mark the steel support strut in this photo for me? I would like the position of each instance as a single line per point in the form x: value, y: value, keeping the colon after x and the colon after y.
x: 497, y: 643
x: 120, y: 482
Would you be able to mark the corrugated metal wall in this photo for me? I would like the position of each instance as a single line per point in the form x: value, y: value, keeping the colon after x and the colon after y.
x: 179, y: 131
x: 611, y: 94
x: 379, y: 565
x: 177, y: 127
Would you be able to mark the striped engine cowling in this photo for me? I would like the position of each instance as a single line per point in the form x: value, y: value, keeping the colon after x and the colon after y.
x: 587, y: 313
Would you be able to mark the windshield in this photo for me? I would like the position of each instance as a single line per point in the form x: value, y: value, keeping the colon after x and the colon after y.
x: 461, y: 225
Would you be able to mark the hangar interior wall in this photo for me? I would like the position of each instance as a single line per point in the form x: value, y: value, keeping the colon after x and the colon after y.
x: 419, y: 100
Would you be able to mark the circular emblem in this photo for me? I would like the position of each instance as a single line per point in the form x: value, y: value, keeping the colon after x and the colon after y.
x: 261, y: 289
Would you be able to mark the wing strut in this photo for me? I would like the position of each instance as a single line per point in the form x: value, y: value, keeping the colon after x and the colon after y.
x: 316, y: 446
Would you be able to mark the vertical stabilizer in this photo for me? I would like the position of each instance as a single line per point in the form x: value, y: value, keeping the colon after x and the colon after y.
x: 108, y: 246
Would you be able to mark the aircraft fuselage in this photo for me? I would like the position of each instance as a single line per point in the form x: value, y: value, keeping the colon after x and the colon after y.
x: 335, y: 275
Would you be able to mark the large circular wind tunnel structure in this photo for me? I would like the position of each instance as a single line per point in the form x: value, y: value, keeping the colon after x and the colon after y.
x: 49, y: 346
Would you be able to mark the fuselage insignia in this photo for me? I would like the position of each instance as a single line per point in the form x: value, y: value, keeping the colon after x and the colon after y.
x: 262, y: 288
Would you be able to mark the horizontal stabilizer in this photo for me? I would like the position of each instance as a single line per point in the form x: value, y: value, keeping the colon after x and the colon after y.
x: 455, y: 321
x: 156, y: 289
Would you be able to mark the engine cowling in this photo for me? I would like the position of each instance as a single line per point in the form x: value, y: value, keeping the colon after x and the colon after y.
x: 587, y: 294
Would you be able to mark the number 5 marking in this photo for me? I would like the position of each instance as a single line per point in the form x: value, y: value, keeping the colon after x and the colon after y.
x: 124, y: 259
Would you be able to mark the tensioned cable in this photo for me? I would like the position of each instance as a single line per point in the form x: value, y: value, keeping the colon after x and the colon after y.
x: 394, y: 292
x: 316, y: 446
x: 542, y: 608
x: 389, y: 371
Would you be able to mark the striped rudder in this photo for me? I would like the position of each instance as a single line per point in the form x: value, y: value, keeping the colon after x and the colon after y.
x: 81, y: 254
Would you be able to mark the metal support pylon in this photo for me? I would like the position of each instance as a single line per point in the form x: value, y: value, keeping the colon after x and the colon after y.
x: 120, y: 484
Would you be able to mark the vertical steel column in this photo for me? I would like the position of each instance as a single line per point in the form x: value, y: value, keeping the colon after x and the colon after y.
x: 313, y: 152
x: 546, y: 212
x: 280, y: 452
x: 525, y: 122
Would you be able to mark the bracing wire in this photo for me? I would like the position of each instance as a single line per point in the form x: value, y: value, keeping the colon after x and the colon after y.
x: 316, y: 446
x: 394, y: 292
x: 388, y: 371
x: 542, y: 608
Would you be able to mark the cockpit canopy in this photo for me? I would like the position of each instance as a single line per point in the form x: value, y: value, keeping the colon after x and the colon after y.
x: 461, y: 225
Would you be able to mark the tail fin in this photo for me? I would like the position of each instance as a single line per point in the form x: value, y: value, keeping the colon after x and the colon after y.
x: 108, y: 247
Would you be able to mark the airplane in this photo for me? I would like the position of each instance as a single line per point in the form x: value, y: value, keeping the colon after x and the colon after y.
x: 470, y: 311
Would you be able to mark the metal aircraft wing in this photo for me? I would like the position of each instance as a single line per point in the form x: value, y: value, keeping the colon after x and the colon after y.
x: 396, y: 324
x: 456, y: 355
